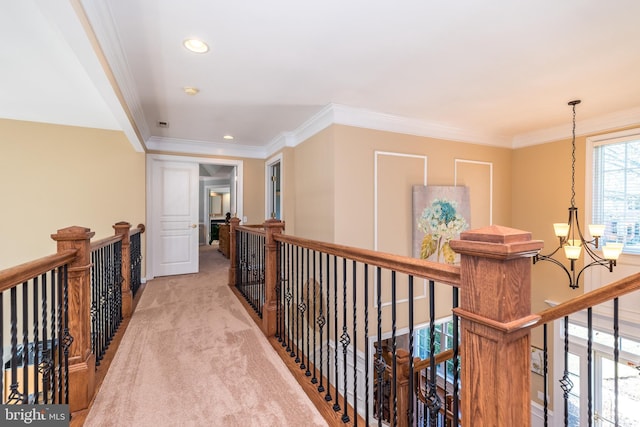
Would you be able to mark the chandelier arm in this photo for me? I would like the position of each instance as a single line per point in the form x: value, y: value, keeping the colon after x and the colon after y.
x: 603, y: 262
x: 554, y: 261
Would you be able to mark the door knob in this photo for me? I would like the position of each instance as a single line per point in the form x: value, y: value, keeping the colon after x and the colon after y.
x: 194, y: 225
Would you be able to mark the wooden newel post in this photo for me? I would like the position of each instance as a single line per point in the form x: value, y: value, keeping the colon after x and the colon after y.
x: 233, y: 256
x: 82, y: 363
x: 271, y: 227
x: 402, y: 386
x: 122, y: 229
x: 495, y: 310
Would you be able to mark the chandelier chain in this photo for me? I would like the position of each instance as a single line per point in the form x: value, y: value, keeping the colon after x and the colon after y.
x: 573, y: 158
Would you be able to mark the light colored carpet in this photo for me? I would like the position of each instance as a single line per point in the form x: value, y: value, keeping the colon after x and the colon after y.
x: 192, y: 356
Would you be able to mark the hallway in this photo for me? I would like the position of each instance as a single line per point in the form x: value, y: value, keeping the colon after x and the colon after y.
x: 192, y: 356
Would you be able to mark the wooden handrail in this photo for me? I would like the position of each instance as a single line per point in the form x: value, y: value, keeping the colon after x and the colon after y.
x: 13, y: 276
x: 99, y: 244
x: 139, y: 229
x: 440, y: 357
x: 590, y: 299
x: 442, y: 273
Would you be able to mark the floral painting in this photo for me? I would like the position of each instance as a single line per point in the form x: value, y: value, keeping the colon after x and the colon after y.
x: 441, y: 213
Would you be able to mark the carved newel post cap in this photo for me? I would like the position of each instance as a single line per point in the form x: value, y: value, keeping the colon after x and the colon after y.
x: 496, y: 241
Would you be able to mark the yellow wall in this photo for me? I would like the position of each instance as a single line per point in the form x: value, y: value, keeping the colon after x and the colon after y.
x: 54, y: 176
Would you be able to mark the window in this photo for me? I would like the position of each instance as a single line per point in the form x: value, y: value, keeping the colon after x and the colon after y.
x: 616, y: 188
x: 273, y: 179
x: 443, y: 340
x: 604, y: 372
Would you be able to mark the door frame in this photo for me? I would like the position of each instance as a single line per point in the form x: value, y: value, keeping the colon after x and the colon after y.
x: 151, y: 187
x: 268, y: 200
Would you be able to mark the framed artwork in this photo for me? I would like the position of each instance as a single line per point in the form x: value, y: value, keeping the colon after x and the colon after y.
x: 440, y: 213
x: 537, y: 360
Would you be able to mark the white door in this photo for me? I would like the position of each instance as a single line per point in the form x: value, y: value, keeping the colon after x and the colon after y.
x: 175, y: 205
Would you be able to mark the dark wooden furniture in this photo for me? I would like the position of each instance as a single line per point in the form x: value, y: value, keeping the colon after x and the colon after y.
x: 223, y: 241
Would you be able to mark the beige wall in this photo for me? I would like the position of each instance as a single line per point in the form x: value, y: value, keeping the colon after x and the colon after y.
x: 54, y: 176
x: 313, y: 199
x: 354, y: 171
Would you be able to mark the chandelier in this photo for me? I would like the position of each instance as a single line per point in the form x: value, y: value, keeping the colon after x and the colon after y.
x: 570, y: 236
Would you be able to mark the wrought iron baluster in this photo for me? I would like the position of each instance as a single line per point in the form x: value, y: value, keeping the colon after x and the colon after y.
x: 435, y: 403
x: 354, y: 342
x: 344, y: 340
x: 616, y: 360
x: 306, y: 308
x: 379, y: 363
x: 456, y: 361
x: 14, y: 395
x: 327, y: 396
x: 336, y: 404
x: 321, y: 323
x: 37, y: 354
x: 314, y: 379
x: 545, y: 372
x: 290, y: 309
x: 590, y: 366
x: 297, y: 290
x: 565, y: 382
x: 25, y: 342
x: 411, y: 397
x: 54, y: 335
x: 2, y: 340
x: 44, y: 367
x: 394, y: 347
x: 366, y: 342
x: 61, y: 334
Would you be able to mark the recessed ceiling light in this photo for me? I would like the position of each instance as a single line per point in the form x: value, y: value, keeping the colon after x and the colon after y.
x: 195, y: 45
x: 228, y: 137
x: 191, y: 90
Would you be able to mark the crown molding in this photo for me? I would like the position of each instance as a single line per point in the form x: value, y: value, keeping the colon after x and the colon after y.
x: 115, y: 64
x: 604, y: 123
x: 186, y: 146
x: 391, y: 123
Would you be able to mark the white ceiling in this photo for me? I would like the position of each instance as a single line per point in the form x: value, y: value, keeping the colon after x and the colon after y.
x: 498, y: 72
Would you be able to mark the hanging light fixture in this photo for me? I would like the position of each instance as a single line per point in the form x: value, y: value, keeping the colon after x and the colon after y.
x: 571, y: 239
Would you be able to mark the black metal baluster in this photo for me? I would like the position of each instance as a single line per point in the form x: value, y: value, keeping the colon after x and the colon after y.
x: 298, y: 314
x: 2, y: 342
x: 314, y: 379
x: 354, y: 289
x: 25, y: 342
x: 456, y: 361
x: 545, y: 352
x: 616, y: 360
x: 61, y: 335
x: 44, y: 366
x: 590, y: 366
x: 379, y: 362
x: 290, y: 309
x: 308, y: 310
x: 336, y: 405
x: 344, y: 340
x: 565, y: 382
x: 411, y: 397
x: 279, y: 301
x: 14, y: 395
x: 37, y: 354
x: 54, y: 336
x: 321, y: 322
x: 394, y: 347
x: 366, y: 343
x: 432, y: 396
x: 327, y: 397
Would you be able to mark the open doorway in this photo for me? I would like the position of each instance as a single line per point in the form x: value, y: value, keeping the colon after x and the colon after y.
x: 176, y: 208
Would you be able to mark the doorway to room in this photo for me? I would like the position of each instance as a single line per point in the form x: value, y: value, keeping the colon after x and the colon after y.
x: 177, y: 208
